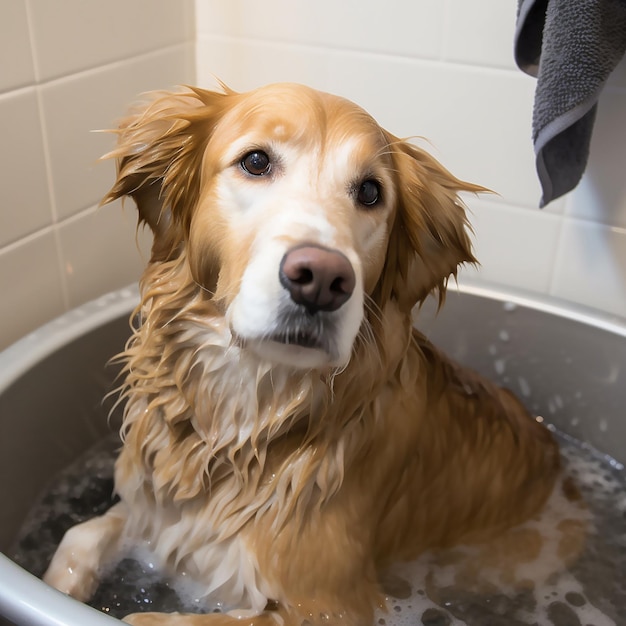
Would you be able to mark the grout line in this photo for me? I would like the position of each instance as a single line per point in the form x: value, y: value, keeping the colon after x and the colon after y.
x: 67, y: 220
x: 47, y: 157
x: 191, y: 21
x: 48, y: 166
x: 33, y: 41
x: 558, y: 253
x: 26, y: 239
x: 16, y: 92
x: 389, y: 56
x: 445, y: 32
x: 55, y: 231
x: 565, y: 219
x: 92, y: 209
x: 115, y: 63
x: 112, y: 65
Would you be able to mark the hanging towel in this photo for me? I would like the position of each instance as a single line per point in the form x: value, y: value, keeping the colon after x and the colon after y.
x: 571, y: 46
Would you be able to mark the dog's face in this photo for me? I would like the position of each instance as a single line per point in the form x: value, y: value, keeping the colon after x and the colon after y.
x: 294, y: 208
x: 295, y: 213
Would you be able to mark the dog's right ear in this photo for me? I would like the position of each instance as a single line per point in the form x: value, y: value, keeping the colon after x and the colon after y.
x: 159, y: 157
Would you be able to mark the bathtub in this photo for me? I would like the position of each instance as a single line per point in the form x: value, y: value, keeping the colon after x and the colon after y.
x: 566, y: 363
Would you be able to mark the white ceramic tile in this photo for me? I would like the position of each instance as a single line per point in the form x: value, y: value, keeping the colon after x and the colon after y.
x: 236, y: 63
x: 25, y: 203
x: 480, y: 32
x: 601, y: 194
x: 618, y: 77
x: 16, y: 60
x: 74, y: 107
x: 102, y: 250
x: 30, y: 285
x: 395, y: 26
x: 515, y: 247
x: 591, y: 266
x: 478, y: 120
x: 72, y: 35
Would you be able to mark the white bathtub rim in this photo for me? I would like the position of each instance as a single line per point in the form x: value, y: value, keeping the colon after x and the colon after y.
x: 546, y: 304
x: 19, y: 357
x: 28, y: 601
x: 26, y: 352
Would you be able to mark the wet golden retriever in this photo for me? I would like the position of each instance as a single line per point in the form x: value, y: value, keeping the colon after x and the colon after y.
x: 287, y: 432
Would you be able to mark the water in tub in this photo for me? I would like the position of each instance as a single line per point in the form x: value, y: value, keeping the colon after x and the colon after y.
x: 466, y: 585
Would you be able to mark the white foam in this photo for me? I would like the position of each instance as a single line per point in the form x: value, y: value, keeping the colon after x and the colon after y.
x: 553, y: 582
x: 434, y: 578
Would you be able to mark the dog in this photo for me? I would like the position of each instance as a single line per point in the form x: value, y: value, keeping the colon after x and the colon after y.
x: 287, y: 433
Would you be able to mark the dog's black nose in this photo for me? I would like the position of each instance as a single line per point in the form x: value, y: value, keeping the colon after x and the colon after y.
x: 318, y: 278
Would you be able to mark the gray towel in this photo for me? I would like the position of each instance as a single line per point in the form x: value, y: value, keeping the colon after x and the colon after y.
x: 571, y: 46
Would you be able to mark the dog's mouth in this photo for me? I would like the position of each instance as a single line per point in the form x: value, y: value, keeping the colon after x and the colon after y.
x: 300, y: 340
x: 301, y: 337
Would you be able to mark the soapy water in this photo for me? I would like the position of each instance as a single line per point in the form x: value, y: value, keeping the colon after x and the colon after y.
x: 516, y: 580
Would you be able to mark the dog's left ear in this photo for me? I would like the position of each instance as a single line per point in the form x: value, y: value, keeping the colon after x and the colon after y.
x: 429, y: 237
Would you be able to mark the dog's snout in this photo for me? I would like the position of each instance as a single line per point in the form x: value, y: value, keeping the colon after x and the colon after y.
x: 318, y: 278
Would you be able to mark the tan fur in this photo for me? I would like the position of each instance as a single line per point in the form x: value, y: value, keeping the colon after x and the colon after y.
x: 325, y: 476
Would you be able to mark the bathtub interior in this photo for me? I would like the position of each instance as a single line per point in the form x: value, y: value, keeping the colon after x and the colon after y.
x: 568, y: 368
x: 567, y: 364
x: 53, y: 411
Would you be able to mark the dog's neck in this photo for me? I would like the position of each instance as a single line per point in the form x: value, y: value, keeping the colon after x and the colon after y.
x: 225, y: 409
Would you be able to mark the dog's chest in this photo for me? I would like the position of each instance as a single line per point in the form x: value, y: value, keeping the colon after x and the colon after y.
x: 194, y: 470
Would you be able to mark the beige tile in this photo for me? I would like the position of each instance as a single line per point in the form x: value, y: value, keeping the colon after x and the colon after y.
x: 76, y: 106
x: 30, y: 284
x: 477, y: 120
x: 25, y: 202
x: 16, y: 59
x: 74, y: 35
x: 229, y: 60
x: 480, y: 32
x: 515, y: 247
x: 101, y: 251
x: 394, y: 26
x: 601, y: 194
x: 591, y: 266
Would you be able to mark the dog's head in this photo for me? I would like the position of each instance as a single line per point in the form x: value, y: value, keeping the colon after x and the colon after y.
x: 296, y: 213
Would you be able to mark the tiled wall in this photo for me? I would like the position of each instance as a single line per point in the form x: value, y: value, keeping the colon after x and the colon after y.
x: 438, y: 68
x: 444, y: 69
x: 68, y: 67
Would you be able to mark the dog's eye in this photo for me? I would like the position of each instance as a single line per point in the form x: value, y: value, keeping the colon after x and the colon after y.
x: 256, y: 163
x: 368, y: 193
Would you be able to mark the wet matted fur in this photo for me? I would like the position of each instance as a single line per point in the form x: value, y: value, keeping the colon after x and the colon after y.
x: 283, y: 453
